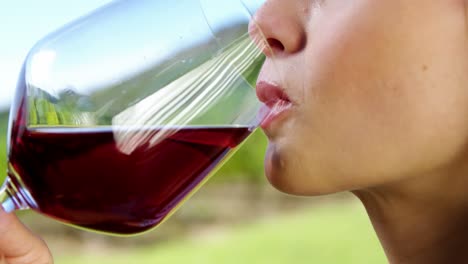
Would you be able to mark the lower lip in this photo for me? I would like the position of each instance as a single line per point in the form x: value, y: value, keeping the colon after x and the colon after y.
x: 269, y: 114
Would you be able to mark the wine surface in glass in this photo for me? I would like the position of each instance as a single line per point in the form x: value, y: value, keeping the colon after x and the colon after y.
x: 117, y: 180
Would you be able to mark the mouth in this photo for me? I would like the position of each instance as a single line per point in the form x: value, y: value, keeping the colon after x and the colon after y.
x: 275, y: 101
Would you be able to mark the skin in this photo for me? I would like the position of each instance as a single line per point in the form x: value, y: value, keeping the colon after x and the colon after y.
x: 18, y: 245
x: 379, y: 106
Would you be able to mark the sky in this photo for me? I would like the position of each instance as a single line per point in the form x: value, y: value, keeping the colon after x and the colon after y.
x: 22, y: 24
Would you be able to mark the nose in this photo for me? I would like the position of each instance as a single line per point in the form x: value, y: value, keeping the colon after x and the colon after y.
x: 279, y: 28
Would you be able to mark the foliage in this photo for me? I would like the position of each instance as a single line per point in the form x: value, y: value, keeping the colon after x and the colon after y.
x: 3, y: 132
x: 247, y: 163
x: 331, y: 233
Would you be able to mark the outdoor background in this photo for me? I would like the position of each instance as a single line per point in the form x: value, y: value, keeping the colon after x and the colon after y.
x: 237, y: 217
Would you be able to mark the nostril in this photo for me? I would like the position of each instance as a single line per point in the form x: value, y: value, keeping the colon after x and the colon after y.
x: 275, y: 44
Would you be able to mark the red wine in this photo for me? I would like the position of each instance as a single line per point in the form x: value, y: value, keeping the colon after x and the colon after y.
x: 114, y: 179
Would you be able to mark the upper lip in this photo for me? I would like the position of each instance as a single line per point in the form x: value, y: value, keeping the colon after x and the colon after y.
x: 270, y: 93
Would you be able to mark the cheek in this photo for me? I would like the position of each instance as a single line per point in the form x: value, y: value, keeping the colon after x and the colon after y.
x: 357, y: 142
x: 368, y: 132
x: 370, y: 116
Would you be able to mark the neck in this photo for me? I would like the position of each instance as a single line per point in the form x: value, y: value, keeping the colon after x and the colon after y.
x: 421, y: 221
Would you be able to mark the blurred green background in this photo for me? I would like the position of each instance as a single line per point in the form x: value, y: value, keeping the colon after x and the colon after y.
x: 237, y: 217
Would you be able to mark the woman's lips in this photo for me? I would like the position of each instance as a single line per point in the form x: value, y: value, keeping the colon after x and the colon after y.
x: 276, y: 103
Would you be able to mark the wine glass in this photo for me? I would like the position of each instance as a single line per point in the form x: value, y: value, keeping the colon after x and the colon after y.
x: 121, y: 115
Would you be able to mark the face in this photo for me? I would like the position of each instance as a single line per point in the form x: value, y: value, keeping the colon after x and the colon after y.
x: 363, y: 92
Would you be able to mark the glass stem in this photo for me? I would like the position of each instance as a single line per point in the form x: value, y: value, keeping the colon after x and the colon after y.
x: 11, y: 198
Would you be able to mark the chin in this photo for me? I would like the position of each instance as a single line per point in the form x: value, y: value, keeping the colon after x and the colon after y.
x: 288, y: 188
x: 298, y: 189
x: 298, y: 184
x: 287, y: 177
